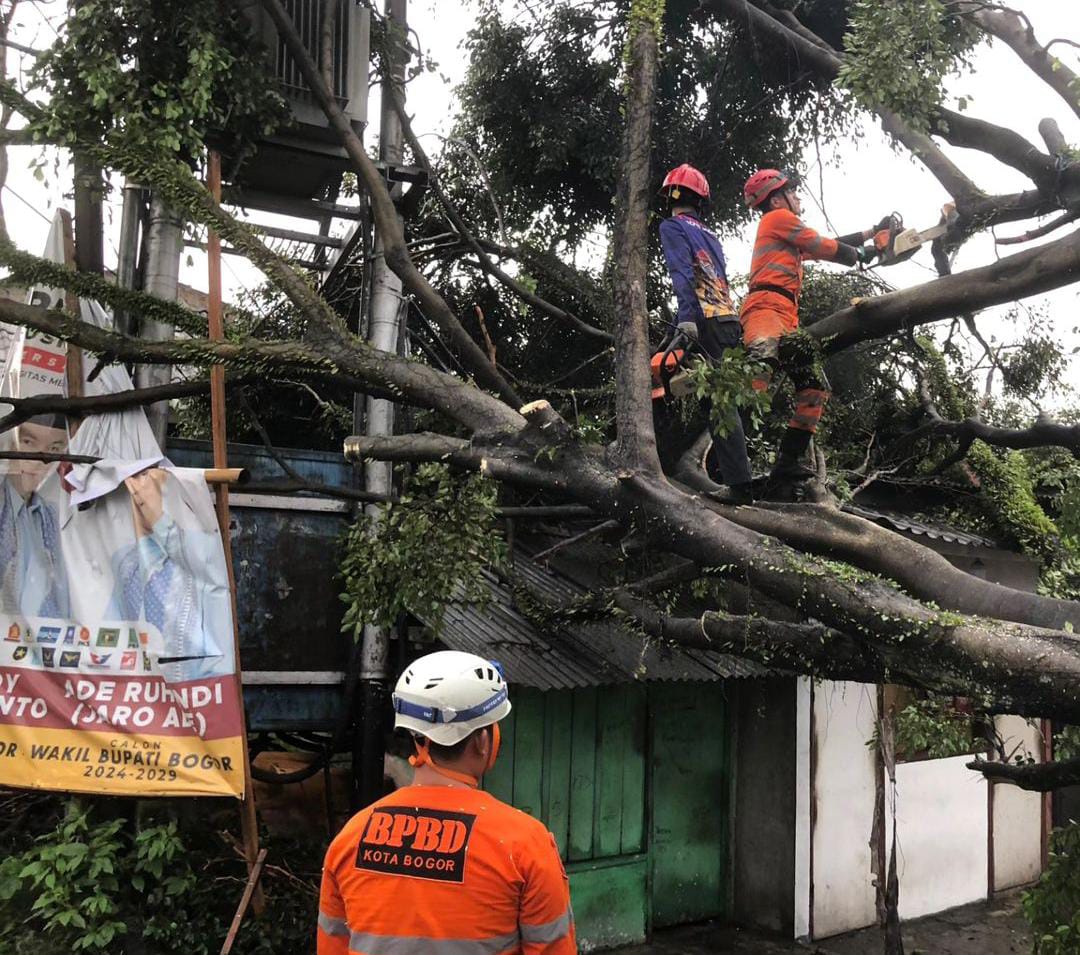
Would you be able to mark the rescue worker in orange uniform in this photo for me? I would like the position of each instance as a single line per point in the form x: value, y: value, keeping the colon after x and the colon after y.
x: 770, y: 311
x: 440, y: 866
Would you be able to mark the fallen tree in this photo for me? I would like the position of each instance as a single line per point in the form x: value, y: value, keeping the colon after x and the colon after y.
x: 1014, y: 652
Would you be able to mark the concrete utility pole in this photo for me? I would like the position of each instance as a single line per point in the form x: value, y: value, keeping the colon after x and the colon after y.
x: 127, y: 266
x: 164, y: 243
x: 88, y: 252
x: 387, y: 319
x: 89, y: 238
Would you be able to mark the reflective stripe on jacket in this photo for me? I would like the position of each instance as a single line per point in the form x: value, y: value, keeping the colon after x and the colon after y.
x: 442, y: 870
x: 782, y: 242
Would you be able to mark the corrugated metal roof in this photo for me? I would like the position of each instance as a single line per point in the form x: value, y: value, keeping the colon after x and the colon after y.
x: 590, y: 653
x: 903, y: 522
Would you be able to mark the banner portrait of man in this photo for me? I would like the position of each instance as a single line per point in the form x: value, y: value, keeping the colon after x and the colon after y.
x: 33, y: 580
x: 171, y: 575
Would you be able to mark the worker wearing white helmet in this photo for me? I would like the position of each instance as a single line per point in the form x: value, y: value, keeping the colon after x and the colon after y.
x: 442, y: 866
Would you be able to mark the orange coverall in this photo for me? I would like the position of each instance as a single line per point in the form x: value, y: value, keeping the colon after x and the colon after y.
x: 771, y: 310
x: 441, y: 870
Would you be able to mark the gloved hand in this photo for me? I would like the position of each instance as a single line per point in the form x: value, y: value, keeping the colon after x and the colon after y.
x: 689, y: 330
x: 866, y: 253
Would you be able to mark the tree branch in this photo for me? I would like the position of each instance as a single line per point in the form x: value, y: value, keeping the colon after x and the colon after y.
x: 976, y: 209
x: 1007, y: 25
x: 807, y: 648
x: 375, y: 370
x: 248, y: 352
x: 5, y: 118
x: 1044, y: 432
x: 1042, y: 230
x: 1030, y: 272
x: 32, y: 270
x: 1005, y: 145
x: 326, y: 41
x: 596, y: 530
x: 824, y: 530
x: 501, y: 462
x: 294, y: 486
x: 26, y: 408
x: 18, y: 137
x: 419, y: 446
x: 681, y: 572
x: 987, y: 211
x: 1053, y: 137
x: 353, y: 363
x: 826, y: 62
x: 572, y: 280
x: 182, y: 191
x: 1034, y: 777
x: 396, y: 251
x: 483, y: 259
x: 1024, y: 669
x: 1028, y: 668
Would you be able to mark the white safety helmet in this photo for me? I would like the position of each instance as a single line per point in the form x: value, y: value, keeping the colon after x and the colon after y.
x: 447, y: 695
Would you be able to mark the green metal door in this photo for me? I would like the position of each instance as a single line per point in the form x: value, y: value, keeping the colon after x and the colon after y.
x: 575, y: 759
x: 690, y: 797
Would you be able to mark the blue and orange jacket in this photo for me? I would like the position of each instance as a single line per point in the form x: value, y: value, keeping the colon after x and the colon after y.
x: 698, y: 271
x: 441, y: 869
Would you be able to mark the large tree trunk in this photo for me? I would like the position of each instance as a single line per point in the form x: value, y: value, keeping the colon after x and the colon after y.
x: 636, y: 444
x: 1028, y: 670
x: 876, y: 629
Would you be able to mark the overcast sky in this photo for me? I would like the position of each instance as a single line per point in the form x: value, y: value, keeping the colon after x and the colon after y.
x: 859, y: 183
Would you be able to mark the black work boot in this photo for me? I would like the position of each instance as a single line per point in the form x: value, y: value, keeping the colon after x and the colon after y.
x: 791, y: 457
x: 734, y: 494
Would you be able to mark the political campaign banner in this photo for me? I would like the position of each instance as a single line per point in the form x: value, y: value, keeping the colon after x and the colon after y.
x: 35, y: 363
x: 117, y: 670
x: 116, y: 664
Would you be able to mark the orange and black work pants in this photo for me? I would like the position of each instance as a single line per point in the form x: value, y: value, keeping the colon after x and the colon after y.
x: 789, y: 353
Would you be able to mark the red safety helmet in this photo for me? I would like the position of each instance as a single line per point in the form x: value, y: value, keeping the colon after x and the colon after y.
x: 763, y: 184
x: 686, y: 177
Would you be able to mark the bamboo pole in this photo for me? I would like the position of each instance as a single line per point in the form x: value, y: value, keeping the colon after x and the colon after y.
x: 249, y: 890
x: 226, y: 476
x: 248, y: 822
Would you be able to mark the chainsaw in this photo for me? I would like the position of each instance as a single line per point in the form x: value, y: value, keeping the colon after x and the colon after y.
x: 669, y: 367
x: 896, y: 244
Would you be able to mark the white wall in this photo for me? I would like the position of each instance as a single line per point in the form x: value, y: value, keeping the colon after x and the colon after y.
x: 843, y: 720
x: 1017, y: 814
x: 804, y: 802
x: 942, y: 820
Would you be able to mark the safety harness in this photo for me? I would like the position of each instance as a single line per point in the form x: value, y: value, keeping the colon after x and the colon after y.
x: 778, y: 289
